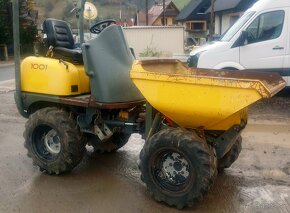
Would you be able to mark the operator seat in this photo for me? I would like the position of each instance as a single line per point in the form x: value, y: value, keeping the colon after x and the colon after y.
x: 60, y: 37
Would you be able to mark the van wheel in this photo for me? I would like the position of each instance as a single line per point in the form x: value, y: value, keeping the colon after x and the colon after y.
x: 229, y: 68
x: 177, y: 167
x: 53, y: 140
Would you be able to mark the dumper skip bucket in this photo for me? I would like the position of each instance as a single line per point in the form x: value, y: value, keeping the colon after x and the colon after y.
x: 202, y: 98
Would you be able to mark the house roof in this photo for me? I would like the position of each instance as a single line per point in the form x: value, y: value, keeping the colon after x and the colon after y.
x: 237, y: 5
x: 225, y: 4
x: 125, y: 23
x: 195, y: 10
x: 155, y: 12
x: 180, y: 4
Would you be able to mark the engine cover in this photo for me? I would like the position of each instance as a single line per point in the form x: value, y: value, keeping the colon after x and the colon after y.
x: 53, y: 77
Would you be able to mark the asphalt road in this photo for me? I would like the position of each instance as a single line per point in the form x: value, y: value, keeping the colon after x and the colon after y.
x: 6, y: 72
x: 259, y: 181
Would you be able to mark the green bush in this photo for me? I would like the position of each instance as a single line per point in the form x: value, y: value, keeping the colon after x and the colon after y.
x: 150, y: 52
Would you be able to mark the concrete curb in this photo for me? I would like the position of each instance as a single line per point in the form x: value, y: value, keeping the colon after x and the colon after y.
x: 6, y: 86
x: 6, y: 65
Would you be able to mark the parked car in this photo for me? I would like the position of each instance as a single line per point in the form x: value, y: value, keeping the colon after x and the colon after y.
x: 259, y: 40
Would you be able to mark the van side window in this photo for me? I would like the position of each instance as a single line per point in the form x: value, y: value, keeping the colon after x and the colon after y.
x: 265, y: 27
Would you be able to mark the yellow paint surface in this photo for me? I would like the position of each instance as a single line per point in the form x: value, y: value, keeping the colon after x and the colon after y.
x: 193, y: 101
x: 48, y: 76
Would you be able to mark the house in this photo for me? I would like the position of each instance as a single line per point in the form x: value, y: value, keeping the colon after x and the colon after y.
x: 155, y: 15
x: 180, y: 4
x: 125, y: 23
x: 227, y: 12
x: 194, y: 18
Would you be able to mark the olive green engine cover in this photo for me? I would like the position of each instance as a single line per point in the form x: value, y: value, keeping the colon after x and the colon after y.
x: 108, y: 61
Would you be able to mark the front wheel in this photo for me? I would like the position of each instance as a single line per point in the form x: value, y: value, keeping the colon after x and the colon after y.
x: 177, y: 166
x: 53, y: 140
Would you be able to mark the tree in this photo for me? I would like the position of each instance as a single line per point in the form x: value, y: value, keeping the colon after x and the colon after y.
x: 28, y: 29
x: 5, y: 23
x: 27, y: 26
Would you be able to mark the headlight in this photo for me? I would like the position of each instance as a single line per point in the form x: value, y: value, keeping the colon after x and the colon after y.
x: 192, y: 60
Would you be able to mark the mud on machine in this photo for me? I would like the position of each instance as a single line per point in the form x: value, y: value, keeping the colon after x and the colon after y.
x: 99, y: 95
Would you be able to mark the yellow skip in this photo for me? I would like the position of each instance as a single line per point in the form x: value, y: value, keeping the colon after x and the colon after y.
x: 201, y: 98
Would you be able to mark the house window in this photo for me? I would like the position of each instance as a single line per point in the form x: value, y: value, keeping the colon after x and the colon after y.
x: 265, y: 27
x: 196, y: 26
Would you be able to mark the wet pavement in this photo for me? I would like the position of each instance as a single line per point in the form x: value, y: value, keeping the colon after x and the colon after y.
x: 259, y: 181
x: 6, y: 71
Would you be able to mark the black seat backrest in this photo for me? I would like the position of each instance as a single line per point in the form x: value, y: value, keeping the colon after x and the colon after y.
x: 58, y: 33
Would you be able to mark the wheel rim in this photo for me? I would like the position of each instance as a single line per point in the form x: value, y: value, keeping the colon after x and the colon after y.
x: 52, y: 142
x: 171, y: 171
x: 46, y: 142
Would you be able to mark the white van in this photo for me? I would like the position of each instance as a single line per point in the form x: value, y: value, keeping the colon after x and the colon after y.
x: 259, y: 40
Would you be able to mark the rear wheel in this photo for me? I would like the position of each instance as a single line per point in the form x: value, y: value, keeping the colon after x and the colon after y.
x: 177, y: 166
x: 53, y: 140
x: 231, y: 155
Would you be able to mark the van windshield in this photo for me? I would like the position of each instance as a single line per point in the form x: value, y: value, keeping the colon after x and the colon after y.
x: 237, y: 26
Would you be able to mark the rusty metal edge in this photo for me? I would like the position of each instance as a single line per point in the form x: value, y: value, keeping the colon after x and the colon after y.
x: 92, y: 103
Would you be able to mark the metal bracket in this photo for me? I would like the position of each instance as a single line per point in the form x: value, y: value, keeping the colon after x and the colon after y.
x: 103, y: 135
x: 155, y: 125
x: 148, y: 119
x: 65, y: 64
x: 225, y: 142
x: 84, y: 120
x: 49, y: 52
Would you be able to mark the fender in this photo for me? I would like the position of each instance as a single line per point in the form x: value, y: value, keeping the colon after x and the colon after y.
x: 229, y: 64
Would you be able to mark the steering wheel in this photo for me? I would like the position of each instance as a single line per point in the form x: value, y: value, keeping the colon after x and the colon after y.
x: 101, y: 25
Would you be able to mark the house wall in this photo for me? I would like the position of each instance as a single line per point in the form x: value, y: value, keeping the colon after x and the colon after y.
x: 226, y: 23
x: 195, y: 33
x: 168, y: 40
x: 188, y: 25
x: 158, y: 21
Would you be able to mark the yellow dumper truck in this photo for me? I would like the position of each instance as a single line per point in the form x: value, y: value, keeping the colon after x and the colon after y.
x: 199, y: 117
x: 99, y: 95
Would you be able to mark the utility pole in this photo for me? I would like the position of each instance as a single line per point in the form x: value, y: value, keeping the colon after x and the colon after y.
x: 211, y: 30
x: 164, y: 21
x: 147, y: 18
x: 120, y: 12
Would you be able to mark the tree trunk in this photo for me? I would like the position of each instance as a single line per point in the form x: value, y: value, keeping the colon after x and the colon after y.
x: 211, y: 30
x: 5, y: 51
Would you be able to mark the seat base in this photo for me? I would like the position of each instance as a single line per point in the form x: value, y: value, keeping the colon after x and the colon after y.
x: 71, y: 55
